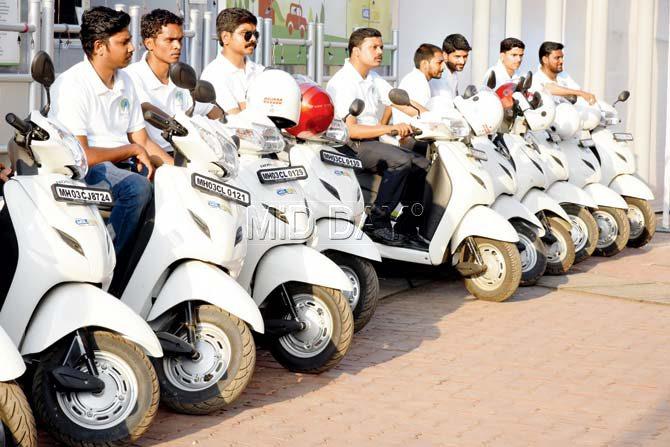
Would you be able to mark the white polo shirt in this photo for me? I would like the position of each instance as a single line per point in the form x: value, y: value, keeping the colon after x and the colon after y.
x: 167, y: 97
x: 416, y: 85
x: 502, y: 77
x: 231, y: 83
x: 540, y: 79
x: 348, y: 84
x: 86, y: 107
x: 447, y: 85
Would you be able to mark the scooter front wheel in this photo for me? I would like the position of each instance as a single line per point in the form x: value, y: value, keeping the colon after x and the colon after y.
x: 614, y: 230
x: 328, y: 331
x: 584, y: 231
x: 17, y: 425
x: 561, y: 253
x: 364, y: 297
x: 118, y: 415
x: 221, y: 369
x: 642, y: 222
x: 503, y: 270
x: 533, y: 256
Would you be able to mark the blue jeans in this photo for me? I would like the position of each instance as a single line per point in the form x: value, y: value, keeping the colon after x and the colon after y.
x: 132, y: 192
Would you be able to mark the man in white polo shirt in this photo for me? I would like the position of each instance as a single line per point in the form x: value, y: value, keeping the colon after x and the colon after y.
x: 162, y: 34
x: 356, y: 80
x: 456, y: 50
x: 551, y: 77
x: 96, y: 101
x: 429, y: 64
x: 507, y: 67
x: 232, y: 71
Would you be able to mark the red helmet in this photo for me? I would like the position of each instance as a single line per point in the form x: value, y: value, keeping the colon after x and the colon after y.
x: 316, y: 111
x: 505, y: 93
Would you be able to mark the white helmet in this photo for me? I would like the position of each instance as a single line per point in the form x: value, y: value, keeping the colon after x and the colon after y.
x: 541, y: 117
x: 567, y: 120
x: 483, y: 111
x: 275, y: 94
x: 590, y: 114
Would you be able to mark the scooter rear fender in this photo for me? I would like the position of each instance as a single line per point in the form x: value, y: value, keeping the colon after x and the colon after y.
x: 605, y: 196
x: 485, y: 222
x: 564, y: 192
x: 341, y: 235
x: 510, y: 208
x: 12, y: 365
x: 628, y: 185
x: 537, y: 201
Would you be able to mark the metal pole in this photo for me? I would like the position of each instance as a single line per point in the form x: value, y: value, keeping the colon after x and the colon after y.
x: 267, y: 42
x: 395, y: 59
x: 318, y: 51
x: 311, y: 50
x: 480, y: 39
x: 258, y: 52
x: 48, y: 27
x: 135, y: 31
x: 34, y: 97
x: 207, y: 43
x: 120, y: 7
x: 194, y: 60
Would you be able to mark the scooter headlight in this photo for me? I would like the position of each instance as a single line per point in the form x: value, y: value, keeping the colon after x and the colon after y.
x: 610, y: 119
x: 337, y: 132
x: 264, y: 139
x: 224, y: 151
x: 79, y: 167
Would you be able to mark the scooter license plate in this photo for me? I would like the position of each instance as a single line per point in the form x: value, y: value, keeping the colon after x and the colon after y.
x: 622, y: 136
x: 278, y: 175
x: 587, y: 143
x: 220, y: 189
x: 334, y: 158
x: 82, y: 195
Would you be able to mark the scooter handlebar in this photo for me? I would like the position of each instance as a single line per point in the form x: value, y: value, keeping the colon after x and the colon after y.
x: 156, y: 120
x: 18, y: 124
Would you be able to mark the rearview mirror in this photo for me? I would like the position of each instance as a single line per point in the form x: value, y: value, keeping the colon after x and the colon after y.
x: 399, y: 97
x: 42, y: 69
x: 183, y: 76
x: 204, y: 92
x: 536, y: 101
x: 528, y: 81
x: 356, y: 107
x: 470, y: 91
x: 519, y: 85
x: 572, y: 99
x: 623, y: 97
x: 491, y: 81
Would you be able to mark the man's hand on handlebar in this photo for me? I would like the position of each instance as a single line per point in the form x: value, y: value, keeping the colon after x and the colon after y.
x: 402, y: 130
x: 589, y: 97
x: 4, y: 173
x: 142, y: 159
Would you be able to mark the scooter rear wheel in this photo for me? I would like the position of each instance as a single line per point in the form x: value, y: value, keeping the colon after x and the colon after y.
x: 227, y: 357
x: 584, y: 231
x: 327, y: 336
x: 364, y: 297
x: 642, y: 222
x: 503, y: 273
x: 533, y: 257
x: 117, y: 416
x: 17, y: 421
x: 614, y: 230
x: 560, y: 254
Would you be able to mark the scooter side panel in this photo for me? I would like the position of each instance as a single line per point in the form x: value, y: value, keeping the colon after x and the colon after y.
x: 564, y: 192
x: 510, y: 208
x: 537, y: 200
x: 198, y: 281
x: 631, y: 186
x: 483, y: 221
x: 72, y: 306
x: 605, y: 196
x: 12, y: 365
x: 615, y: 156
x: 299, y: 263
x: 341, y: 235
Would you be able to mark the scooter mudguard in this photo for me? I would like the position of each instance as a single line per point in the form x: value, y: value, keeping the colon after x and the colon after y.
x: 510, y: 208
x: 482, y: 221
x: 296, y: 262
x: 564, y: 192
x: 605, y: 196
x: 12, y: 365
x: 537, y: 201
x: 341, y: 235
x: 72, y: 306
x: 199, y: 281
x: 630, y: 186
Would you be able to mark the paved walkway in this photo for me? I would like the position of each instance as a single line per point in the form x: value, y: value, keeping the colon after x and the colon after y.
x: 577, y: 361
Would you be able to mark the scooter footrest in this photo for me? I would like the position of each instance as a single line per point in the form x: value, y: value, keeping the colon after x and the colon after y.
x: 172, y: 344
x: 468, y: 269
x: 71, y: 379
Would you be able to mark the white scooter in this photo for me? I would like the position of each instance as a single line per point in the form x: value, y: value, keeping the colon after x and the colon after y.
x: 93, y: 383
x: 460, y: 226
x: 190, y: 249
x: 308, y: 321
x: 573, y: 124
x: 617, y: 162
x: 336, y: 202
x: 17, y: 424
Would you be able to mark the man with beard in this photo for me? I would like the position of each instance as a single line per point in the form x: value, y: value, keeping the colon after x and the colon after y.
x: 507, y: 68
x: 96, y: 101
x: 232, y: 71
x: 456, y: 50
x: 162, y: 34
x: 551, y: 77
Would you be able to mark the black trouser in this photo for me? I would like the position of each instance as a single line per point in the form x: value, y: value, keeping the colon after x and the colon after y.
x: 403, y: 176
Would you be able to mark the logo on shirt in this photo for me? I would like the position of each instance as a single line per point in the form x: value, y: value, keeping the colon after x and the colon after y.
x: 179, y: 97
x: 124, y: 106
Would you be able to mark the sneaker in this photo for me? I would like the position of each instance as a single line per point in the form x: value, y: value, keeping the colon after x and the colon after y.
x: 387, y: 236
x: 416, y: 241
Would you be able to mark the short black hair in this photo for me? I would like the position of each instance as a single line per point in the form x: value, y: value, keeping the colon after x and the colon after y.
x: 547, y: 47
x: 425, y: 52
x: 231, y: 18
x: 358, y: 36
x: 455, y: 42
x: 153, y: 22
x: 101, y: 23
x: 511, y: 42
